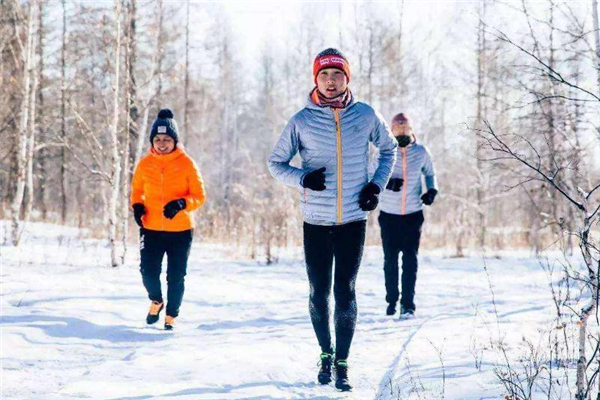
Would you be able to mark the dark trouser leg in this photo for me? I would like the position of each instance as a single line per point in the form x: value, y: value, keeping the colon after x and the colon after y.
x: 318, y: 252
x: 152, y: 250
x: 389, y: 239
x: 411, y: 231
x: 178, y: 251
x: 349, y: 242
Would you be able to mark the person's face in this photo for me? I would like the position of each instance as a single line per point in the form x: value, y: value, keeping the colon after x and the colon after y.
x: 401, y: 128
x: 163, y: 144
x: 331, y: 82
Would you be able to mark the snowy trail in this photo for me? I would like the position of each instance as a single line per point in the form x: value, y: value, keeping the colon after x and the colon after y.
x: 74, y: 329
x: 389, y: 376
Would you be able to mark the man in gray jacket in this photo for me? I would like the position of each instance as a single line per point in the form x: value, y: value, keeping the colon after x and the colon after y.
x: 401, y: 216
x: 332, y: 134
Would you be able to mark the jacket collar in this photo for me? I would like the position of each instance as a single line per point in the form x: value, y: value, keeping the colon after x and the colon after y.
x: 178, y: 151
x: 311, y: 105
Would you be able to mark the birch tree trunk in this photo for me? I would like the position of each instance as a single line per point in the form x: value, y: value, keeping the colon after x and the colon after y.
x: 481, y: 66
x: 63, y: 123
x: 43, y: 156
x: 160, y: 43
x: 133, y: 105
x: 31, y: 147
x: 132, y: 115
x: 142, y: 135
x: 596, y: 39
x: 583, y: 390
x: 186, y: 96
x: 549, y: 114
x: 22, y: 137
x: 33, y: 73
x: 115, y: 156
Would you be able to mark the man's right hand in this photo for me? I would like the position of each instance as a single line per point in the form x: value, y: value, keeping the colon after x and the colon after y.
x: 395, y: 184
x: 315, y: 180
x: 138, y: 212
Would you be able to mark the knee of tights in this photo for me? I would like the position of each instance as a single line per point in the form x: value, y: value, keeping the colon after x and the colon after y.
x: 175, y: 278
x: 345, y: 305
x: 319, y: 297
x: 344, y: 295
x: 150, y: 270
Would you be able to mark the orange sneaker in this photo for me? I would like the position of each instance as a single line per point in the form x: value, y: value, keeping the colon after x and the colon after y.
x: 155, y: 309
x: 169, y: 323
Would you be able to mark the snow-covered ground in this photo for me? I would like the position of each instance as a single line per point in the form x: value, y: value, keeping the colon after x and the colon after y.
x: 73, y: 328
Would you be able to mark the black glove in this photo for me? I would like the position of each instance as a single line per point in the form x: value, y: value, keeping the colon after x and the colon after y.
x: 139, y: 210
x: 395, y: 184
x: 315, y: 180
x: 429, y: 197
x: 367, y: 199
x: 173, y: 207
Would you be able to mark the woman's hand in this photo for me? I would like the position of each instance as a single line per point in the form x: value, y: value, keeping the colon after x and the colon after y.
x: 139, y: 210
x: 173, y: 207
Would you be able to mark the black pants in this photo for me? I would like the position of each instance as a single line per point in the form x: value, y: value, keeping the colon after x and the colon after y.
x: 401, y: 233
x: 153, y: 246
x: 321, y: 245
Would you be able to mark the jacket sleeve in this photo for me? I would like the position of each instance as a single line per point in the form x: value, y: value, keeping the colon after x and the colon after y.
x: 197, y: 196
x: 137, y: 186
x: 284, y: 151
x: 429, y: 171
x: 384, y: 141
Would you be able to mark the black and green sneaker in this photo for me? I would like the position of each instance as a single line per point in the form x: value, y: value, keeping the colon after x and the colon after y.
x: 325, y: 370
x: 341, y: 375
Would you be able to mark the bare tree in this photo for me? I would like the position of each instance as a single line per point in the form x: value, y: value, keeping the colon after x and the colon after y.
x: 63, y: 116
x: 26, y: 126
x: 43, y: 156
x: 482, y: 178
x: 151, y: 82
x: 186, y: 84
x: 596, y: 38
x: 514, y: 150
x: 131, y: 116
x: 549, y: 169
x: 115, y: 151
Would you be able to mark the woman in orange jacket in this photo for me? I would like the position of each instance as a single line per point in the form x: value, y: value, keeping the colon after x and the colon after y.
x: 166, y: 188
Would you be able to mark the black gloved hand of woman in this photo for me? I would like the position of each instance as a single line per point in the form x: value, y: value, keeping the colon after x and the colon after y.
x: 368, y: 197
x: 173, y: 207
x: 429, y: 197
x: 395, y: 184
x: 315, y: 180
x: 139, y: 210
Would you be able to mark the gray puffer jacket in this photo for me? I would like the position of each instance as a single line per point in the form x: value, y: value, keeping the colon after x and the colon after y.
x: 413, y: 162
x: 337, y: 139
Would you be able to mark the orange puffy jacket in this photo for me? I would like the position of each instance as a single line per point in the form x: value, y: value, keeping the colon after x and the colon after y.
x: 161, y: 178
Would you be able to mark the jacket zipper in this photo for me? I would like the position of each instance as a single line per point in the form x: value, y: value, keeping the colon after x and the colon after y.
x: 162, y: 195
x: 338, y: 126
x: 404, y: 173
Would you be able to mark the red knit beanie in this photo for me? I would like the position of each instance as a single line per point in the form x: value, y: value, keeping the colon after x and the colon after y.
x: 331, y: 58
x: 400, y: 118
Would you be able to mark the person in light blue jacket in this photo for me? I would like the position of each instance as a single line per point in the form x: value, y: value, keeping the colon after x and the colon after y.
x: 401, y: 216
x: 332, y: 134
